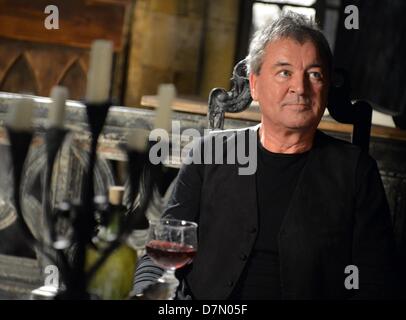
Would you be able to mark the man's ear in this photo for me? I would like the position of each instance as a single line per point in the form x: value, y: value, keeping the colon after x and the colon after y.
x: 253, y: 84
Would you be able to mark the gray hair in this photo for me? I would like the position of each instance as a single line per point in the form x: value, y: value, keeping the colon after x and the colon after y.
x: 288, y: 25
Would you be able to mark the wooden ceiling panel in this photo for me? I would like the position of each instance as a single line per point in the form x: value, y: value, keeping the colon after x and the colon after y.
x: 80, y: 22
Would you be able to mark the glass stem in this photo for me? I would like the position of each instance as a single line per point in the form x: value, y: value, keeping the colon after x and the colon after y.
x: 170, y: 273
x: 169, y: 278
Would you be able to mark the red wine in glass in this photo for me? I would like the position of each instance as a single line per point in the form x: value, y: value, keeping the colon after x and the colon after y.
x: 170, y: 255
x: 171, y: 244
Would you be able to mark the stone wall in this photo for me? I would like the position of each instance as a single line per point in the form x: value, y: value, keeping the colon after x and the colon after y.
x: 165, y: 47
x: 220, y: 39
x: 190, y: 43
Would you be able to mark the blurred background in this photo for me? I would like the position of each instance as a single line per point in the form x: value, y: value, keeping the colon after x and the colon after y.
x: 191, y: 43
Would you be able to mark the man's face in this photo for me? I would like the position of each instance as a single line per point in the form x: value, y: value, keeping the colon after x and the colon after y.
x: 292, y: 85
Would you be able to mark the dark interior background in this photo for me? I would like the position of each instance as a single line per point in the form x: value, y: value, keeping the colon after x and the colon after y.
x: 374, y: 55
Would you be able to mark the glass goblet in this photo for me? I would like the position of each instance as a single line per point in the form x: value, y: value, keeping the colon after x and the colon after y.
x: 171, y: 244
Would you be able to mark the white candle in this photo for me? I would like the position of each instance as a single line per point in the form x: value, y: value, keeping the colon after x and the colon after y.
x: 99, y: 75
x: 20, y: 115
x: 166, y: 94
x: 56, y: 113
x: 138, y: 139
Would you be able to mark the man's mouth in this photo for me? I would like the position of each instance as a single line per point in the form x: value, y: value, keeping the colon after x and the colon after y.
x: 299, y: 106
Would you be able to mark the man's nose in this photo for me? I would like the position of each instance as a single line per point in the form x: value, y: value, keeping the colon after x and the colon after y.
x: 298, y: 84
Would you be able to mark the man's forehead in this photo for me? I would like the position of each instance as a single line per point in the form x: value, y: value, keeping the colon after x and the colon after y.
x: 280, y: 52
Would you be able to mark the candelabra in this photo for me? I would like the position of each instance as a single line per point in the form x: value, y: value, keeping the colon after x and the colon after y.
x: 81, y: 215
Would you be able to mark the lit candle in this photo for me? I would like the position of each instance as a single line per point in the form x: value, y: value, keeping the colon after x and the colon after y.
x: 20, y: 115
x: 138, y: 139
x: 56, y: 113
x: 166, y: 94
x: 99, y: 75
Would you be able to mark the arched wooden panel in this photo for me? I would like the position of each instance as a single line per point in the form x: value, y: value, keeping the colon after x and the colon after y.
x: 20, y: 75
x: 74, y: 78
x: 49, y: 65
x: 8, y: 56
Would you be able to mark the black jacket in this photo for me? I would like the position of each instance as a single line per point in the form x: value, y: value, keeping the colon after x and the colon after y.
x: 338, y: 216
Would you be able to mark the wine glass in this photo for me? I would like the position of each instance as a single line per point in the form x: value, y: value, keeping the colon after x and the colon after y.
x: 171, y: 244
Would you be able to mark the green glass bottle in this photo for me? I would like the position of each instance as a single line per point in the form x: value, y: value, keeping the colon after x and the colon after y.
x: 114, y: 279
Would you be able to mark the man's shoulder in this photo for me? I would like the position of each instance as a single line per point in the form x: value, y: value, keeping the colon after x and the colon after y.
x: 342, y: 151
x: 325, y: 140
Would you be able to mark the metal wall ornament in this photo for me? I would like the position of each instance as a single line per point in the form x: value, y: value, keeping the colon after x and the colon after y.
x: 7, y: 210
x: 69, y: 166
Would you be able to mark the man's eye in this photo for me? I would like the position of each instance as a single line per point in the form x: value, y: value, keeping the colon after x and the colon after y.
x: 315, y: 75
x: 284, y: 73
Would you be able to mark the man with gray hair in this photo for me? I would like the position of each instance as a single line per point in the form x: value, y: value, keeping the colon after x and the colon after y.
x: 313, y: 222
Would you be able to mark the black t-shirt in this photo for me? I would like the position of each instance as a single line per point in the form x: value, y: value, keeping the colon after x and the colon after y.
x: 276, y: 178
